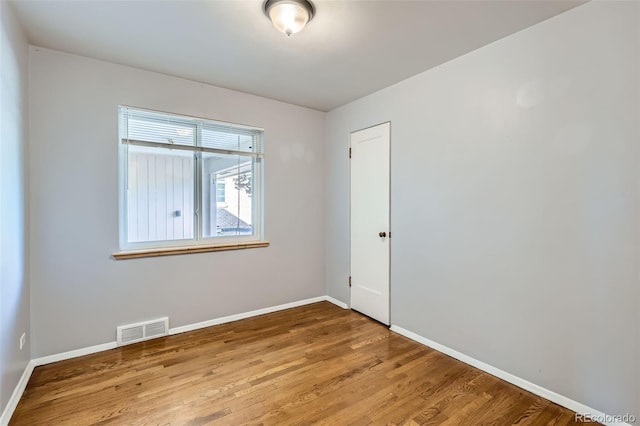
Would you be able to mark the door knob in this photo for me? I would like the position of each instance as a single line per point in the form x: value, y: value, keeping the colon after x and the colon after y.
x: 382, y: 234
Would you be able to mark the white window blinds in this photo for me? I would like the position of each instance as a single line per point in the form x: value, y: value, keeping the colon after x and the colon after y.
x: 156, y: 129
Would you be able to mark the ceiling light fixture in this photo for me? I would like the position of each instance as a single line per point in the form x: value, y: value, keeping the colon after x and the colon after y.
x: 289, y: 16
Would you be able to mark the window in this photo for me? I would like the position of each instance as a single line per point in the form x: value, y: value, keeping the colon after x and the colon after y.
x: 220, y: 191
x: 187, y: 181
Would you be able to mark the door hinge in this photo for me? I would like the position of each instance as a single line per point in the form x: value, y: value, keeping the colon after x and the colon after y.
x: 349, y: 281
x: 349, y: 152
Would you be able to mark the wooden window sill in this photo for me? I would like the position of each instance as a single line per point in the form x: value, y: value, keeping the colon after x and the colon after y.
x: 171, y: 251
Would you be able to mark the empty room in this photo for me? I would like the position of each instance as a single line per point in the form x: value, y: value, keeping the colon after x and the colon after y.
x: 339, y: 212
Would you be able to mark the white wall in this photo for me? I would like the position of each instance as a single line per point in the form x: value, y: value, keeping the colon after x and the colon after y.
x: 79, y: 293
x: 14, y: 282
x: 515, y: 203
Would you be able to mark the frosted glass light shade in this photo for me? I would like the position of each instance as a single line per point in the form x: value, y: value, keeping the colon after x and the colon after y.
x: 289, y: 16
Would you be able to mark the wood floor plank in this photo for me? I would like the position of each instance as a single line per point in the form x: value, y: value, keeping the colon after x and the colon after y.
x: 316, y: 364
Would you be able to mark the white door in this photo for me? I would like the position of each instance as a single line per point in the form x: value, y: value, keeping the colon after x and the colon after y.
x: 370, y: 232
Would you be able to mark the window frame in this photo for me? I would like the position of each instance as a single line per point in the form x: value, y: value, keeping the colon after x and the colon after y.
x: 199, y: 241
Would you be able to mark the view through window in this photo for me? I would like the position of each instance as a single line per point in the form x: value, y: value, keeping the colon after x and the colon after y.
x: 188, y: 181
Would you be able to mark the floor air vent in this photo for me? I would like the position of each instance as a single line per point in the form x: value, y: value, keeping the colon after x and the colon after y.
x: 132, y: 333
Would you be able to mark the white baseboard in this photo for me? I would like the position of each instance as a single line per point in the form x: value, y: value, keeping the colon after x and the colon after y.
x: 336, y: 302
x: 17, y: 394
x: 73, y: 354
x: 24, y: 379
x: 508, y: 377
x: 243, y: 315
x: 26, y: 374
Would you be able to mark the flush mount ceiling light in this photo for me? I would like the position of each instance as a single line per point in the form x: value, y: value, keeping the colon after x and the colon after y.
x: 289, y: 16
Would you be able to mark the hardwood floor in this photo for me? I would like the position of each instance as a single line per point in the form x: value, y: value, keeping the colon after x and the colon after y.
x: 317, y: 364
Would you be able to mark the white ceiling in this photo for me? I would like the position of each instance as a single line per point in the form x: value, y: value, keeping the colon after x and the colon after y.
x: 348, y: 50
